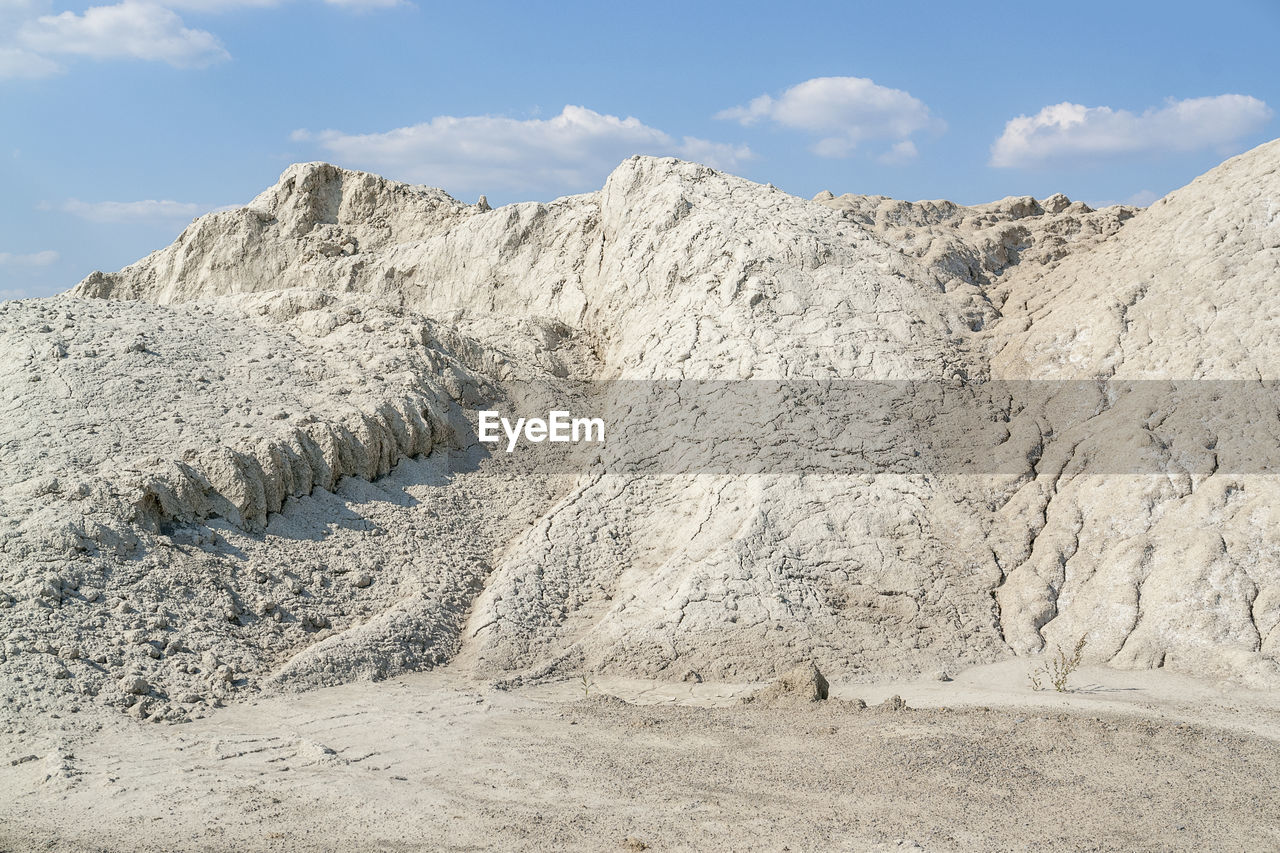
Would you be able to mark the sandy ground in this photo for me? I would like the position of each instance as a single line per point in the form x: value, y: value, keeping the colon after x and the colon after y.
x: 1131, y: 761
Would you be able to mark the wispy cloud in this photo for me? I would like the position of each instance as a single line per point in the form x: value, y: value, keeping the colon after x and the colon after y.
x: 571, y: 152
x: 35, y: 259
x: 212, y: 6
x: 149, y: 210
x: 16, y: 62
x: 148, y: 30
x: 219, y: 5
x: 1065, y: 133
x: 717, y: 155
x: 1142, y: 198
x: 360, y: 5
x: 129, y: 30
x: 901, y: 152
x: 844, y: 112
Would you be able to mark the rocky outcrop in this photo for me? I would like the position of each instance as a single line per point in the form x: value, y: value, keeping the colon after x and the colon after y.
x: 800, y: 685
x: 1175, y: 568
x: 386, y: 314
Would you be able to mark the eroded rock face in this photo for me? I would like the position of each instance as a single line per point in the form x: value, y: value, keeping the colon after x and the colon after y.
x: 318, y: 219
x: 344, y: 325
x: 1175, y: 570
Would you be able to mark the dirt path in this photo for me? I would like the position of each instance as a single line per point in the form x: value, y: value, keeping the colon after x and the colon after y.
x: 430, y: 762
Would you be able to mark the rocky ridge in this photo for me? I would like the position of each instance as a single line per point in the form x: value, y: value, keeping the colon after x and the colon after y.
x: 375, y: 315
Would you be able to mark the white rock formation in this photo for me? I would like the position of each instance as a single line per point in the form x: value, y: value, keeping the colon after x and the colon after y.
x: 1176, y: 570
x: 279, y: 478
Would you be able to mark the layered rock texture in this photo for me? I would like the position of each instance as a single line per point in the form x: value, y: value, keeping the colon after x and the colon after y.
x: 249, y: 459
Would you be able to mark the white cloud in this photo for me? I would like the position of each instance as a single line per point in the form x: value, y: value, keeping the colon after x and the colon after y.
x: 35, y: 259
x: 570, y: 152
x: 149, y: 210
x: 217, y: 5
x: 14, y: 12
x: 130, y: 30
x: 717, y: 155
x: 901, y: 152
x: 133, y: 29
x: 845, y: 111
x: 213, y: 6
x: 16, y: 62
x: 1142, y: 198
x: 1066, y: 131
x: 360, y: 5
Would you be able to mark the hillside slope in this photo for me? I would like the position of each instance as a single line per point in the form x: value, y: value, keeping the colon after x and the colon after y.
x: 670, y: 272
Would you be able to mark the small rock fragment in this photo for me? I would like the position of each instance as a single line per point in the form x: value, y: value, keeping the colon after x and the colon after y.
x: 801, y: 684
x: 135, y: 685
x: 893, y: 703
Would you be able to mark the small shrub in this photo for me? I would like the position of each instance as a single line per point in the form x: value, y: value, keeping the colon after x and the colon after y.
x: 1057, y: 671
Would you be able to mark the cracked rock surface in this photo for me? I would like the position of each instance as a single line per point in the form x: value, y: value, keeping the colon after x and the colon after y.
x: 246, y: 459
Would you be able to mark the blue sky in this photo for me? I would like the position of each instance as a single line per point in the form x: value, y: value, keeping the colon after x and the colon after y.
x: 120, y: 122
